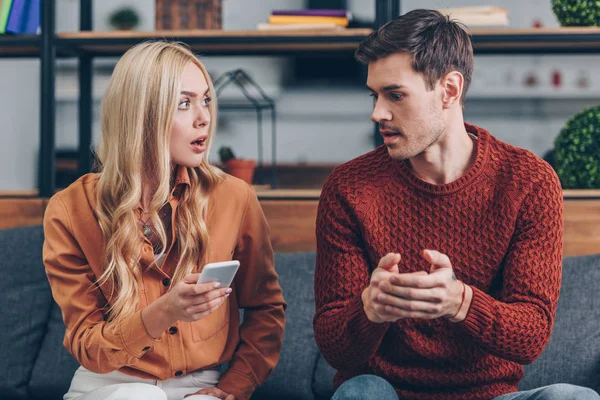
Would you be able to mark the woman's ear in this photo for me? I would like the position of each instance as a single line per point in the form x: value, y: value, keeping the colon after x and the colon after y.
x: 452, y: 88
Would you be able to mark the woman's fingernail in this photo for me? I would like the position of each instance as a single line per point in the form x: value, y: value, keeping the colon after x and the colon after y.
x: 217, y: 284
x: 228, y: 290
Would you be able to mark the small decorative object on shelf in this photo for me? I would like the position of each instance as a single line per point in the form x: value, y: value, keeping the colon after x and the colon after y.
x: 240, y: 168
x: 556, y: 78
x: 577, y: 12
x: 583, y: 80
x: 258, y: 101
x: 188, y: 14
x: 531, y: 80
x: 124, y: 19
x: 577, y: 151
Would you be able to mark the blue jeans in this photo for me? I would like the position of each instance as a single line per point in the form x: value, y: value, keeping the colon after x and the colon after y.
x: 373, y: 387
x: 560, y: 391
x: 364, y: 387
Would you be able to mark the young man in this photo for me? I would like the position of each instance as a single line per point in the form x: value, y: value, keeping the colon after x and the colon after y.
x: 439, y: 253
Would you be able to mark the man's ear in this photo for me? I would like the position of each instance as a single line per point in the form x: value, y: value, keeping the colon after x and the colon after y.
x: 452, y: 88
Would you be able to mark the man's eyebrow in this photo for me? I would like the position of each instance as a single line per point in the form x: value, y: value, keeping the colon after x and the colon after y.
x: 387, y: 88
x: 392, y: 87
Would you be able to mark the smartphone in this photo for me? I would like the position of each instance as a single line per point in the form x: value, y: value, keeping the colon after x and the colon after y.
x: 222, y: 272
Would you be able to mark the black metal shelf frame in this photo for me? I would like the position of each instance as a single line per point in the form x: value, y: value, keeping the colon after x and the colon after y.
x: 47, y: 163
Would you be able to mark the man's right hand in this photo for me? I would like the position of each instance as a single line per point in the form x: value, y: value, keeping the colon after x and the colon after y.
x: 375, y: 311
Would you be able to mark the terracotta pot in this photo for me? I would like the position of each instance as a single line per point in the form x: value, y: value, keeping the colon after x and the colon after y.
x: 243, y: 169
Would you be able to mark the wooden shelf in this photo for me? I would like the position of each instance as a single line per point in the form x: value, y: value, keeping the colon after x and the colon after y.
x: 288, y: 194
x: 586, y: 194
x: 536, y: 41
x: 219, y: 41
x: 485, y: 41
x: 20, y: 46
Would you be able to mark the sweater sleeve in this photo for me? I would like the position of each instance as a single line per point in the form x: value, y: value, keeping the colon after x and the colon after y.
x: 97, y: 345
x: 259, y: 294
x: 517, y: 324
x: 344, y: 334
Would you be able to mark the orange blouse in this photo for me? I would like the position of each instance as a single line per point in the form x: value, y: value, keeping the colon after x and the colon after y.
x: 73, y: 250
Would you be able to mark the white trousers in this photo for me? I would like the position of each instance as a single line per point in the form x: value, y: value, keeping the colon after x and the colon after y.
x: 87, y: 385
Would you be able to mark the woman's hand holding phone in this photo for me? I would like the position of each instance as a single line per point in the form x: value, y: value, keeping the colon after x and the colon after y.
x: 190, y: 301
x: 186, y: 301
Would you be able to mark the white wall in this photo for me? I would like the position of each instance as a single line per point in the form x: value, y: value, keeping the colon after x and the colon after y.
x: 317, y: 123
x: 20, y: 123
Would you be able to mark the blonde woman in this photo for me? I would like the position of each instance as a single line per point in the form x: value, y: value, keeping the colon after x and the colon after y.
x: 124, y: 248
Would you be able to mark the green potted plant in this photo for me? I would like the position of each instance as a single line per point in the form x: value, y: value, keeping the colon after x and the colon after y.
x: 577, y: 151
x: 240, y: 168
x: 125, y: 18
x: 577, y: 12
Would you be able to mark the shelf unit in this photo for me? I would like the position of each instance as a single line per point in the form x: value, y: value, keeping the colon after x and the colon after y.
x: 86, y: 44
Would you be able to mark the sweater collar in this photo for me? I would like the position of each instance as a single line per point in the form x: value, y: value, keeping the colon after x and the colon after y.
x: 483, y: 138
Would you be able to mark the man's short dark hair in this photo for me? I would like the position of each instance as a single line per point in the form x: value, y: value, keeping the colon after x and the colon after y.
x: 436, y: 44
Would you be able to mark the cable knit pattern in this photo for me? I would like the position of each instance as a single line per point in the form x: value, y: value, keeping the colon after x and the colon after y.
x: 501, y: 225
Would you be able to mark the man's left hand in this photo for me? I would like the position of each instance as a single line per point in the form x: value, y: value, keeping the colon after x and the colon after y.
x: 216, y: 392
x: 437, y: 294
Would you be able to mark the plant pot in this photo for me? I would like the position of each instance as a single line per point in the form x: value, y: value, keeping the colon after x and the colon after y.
x: 242, y: 169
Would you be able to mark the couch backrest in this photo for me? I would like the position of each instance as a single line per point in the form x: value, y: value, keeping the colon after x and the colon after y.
x: 33, y: 362
x: 573, y: 353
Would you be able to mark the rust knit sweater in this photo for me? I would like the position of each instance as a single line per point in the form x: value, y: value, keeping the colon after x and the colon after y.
x: 500, y: 224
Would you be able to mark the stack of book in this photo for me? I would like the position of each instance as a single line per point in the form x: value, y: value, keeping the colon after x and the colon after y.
x: 19, y: 17
x: 478, y: 16
x: 307, y: 19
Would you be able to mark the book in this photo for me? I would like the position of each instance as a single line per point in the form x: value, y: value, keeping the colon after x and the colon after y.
x: 4, y: 13
x: 32, y: 22
x: 478, y: 16
x: 18, y: 13
x: 475, y: 10
x: 297, y: 19
x: 314, y: 12
x: 275, y: 27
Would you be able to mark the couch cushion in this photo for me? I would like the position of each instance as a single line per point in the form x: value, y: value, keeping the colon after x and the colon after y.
x: 25, y: 299
x: 323, y: 380
x: 292, y: 378
x: 573, y: 353
x: 54, y: 367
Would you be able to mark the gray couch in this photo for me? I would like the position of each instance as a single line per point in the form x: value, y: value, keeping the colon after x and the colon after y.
x: 35, y: 365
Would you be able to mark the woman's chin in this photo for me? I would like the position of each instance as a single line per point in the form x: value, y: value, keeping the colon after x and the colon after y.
x: 191, y: 162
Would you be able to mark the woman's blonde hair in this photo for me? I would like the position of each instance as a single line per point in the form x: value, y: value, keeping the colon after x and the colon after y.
x: 137, y: 113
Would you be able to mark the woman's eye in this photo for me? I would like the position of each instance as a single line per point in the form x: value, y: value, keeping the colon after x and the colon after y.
x: 184, y: 105
x: 206, y: 100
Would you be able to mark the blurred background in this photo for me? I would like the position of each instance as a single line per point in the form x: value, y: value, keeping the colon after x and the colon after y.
x: 322, y: 106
